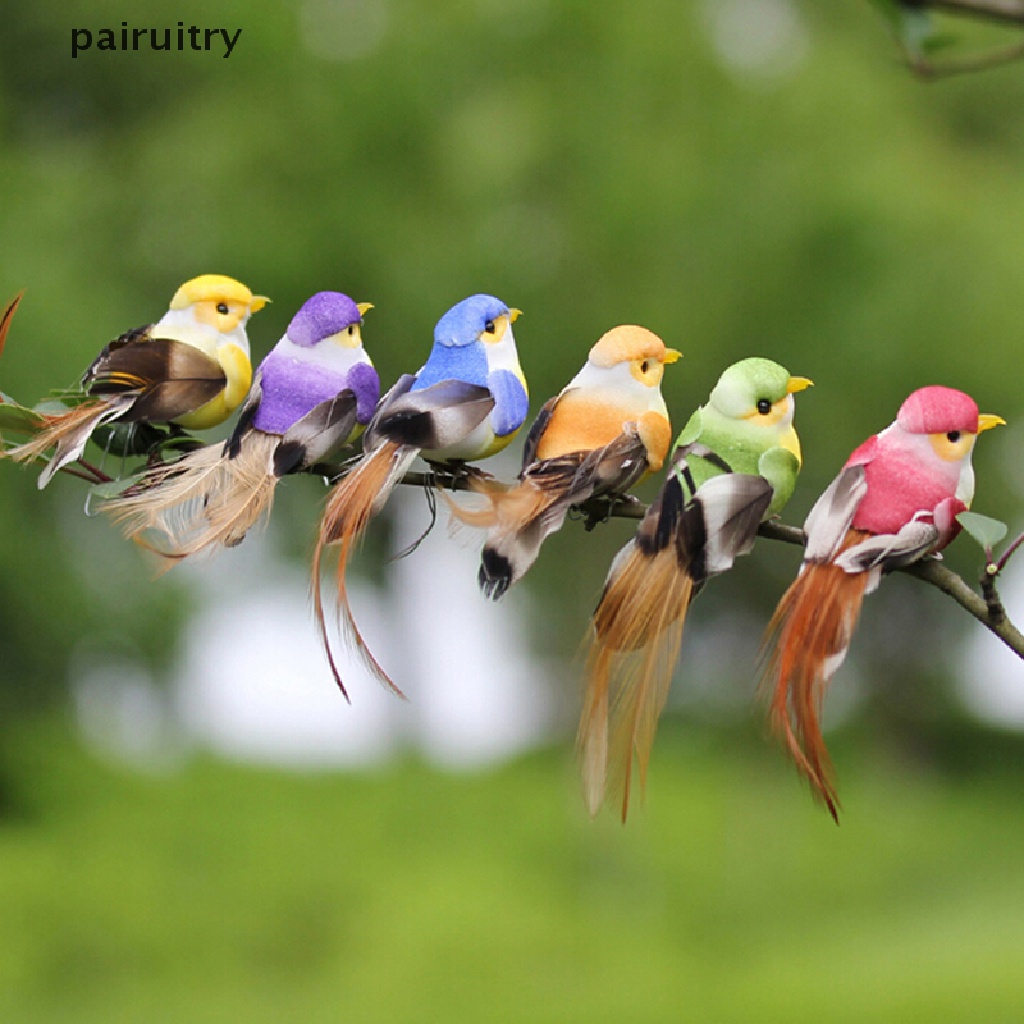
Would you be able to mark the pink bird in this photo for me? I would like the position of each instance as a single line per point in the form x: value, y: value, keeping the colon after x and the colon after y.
x: 895, y: 502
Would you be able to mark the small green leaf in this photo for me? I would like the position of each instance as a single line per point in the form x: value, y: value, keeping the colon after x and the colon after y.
x: 987, y: 532
x: 113, y: 488
x: 18, y: 419
x: 939, y: 42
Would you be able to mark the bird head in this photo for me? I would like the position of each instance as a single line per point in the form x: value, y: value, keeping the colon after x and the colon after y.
x: 482, y: 318
x: 759, y: 392
x: 637, y: 348
x: 328, y: 316
x: 217, y: 301
x: 949, y: 418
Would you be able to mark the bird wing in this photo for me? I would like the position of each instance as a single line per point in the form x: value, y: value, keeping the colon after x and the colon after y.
x: 433, y: 418
x: 578, y: 476
x: 890, y: 551
x: 314, y: 436
x: 829, y: 520
x: 521, y: 518
x: 170, y: 378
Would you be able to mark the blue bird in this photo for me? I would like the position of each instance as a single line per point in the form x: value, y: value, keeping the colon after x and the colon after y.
x: 465, y: 403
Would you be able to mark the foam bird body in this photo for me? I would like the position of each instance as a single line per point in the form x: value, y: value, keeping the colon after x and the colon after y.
x: 894, y: 502
x: 465, y: 403
x: 314, y: 392
x: 191, y: 368
x: 605, y: 431
x: 735, y: 462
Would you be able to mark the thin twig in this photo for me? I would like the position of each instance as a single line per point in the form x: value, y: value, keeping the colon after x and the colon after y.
x: 1006, y: 12
x: 930, y: 69
x: 1005, y: 557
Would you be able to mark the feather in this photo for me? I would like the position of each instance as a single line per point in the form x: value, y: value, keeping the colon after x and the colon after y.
x: 537, y: 430
x: 827, y: 524
x: 639, y: 621
x: 313, y: 437
x: 638, y: 629
x: 168, y: 378
x: 202, y: 501
x: 810, y: 633
x: 7, y: 317
x: 352, y: 503
x: 433, y: 418
x: 520, y: 518
x: 68, y: 433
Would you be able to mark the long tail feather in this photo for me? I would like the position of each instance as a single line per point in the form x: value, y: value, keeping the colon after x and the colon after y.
x: 809, y: 635
x: 68, y: 433
x: 201, y: 502
x: 6, y: 317
x: 353, y: 502
x: 638, y: 629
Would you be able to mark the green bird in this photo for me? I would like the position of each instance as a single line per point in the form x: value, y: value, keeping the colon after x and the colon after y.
x: 734, y: 464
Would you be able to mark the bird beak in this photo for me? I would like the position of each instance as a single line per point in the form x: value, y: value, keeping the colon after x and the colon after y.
x: 671, y: 355
x: 514, y: 314
x: 986, y: 421
x: 796, y: 384
x: 363, y: 307
x: 258, y: 302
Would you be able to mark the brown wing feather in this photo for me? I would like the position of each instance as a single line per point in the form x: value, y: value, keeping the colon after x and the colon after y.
x: 521, y: 518
x: 170, y: 377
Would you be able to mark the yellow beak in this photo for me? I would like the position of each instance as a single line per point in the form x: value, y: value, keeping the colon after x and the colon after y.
x: 986, y: 421
x: 363, y: 307
x: 258, y: 302
x: 796, y: 384
x: 671, y: 355
x: 514, y: 314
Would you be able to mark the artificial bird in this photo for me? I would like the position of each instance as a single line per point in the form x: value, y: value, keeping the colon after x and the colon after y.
x: 191, y: 369
x: 314, y: 392
x: 465, y: 403
x: 895, y: 501
x: 601, y: 434
x: 734, y: 463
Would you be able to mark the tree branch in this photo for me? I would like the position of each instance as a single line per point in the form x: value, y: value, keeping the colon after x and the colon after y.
x: 928, y: 570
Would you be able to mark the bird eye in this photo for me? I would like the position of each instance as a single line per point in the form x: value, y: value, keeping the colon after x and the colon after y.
x: 764, y: 406
x: 489, y: 327
x: 222, y: 308
x: 953, y: 436
x: 645, y: 366
x: 351, y: 330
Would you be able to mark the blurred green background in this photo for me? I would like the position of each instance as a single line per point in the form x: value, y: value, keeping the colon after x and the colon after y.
x: 741, y: 176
